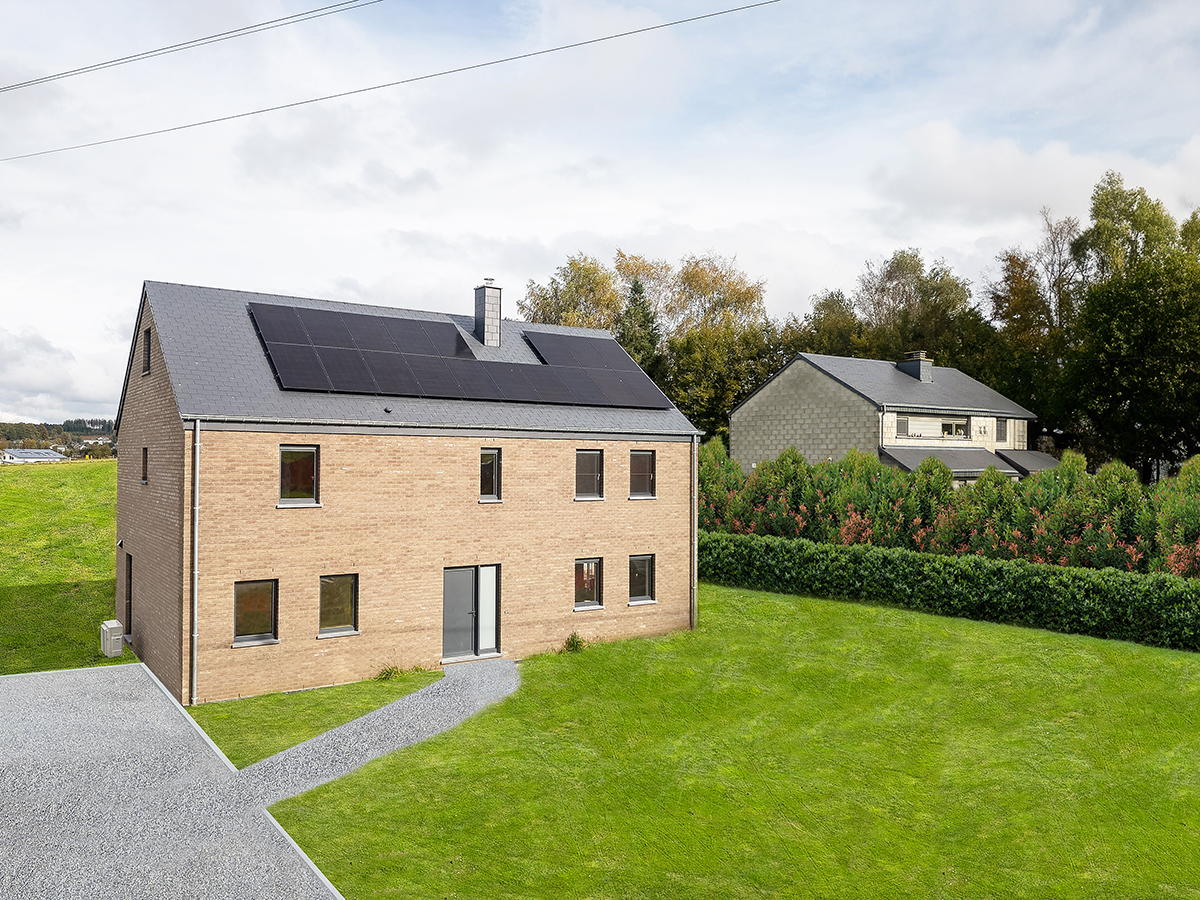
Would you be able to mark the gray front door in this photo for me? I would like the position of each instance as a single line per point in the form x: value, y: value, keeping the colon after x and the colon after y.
x: 470, y: 608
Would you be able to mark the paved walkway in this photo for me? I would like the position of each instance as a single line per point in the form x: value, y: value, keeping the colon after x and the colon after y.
x: 109, y: 790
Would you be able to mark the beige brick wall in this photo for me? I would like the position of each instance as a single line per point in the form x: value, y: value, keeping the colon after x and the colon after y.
x: 805, y: 409
x: 150, y: 523
x: 396, y: 510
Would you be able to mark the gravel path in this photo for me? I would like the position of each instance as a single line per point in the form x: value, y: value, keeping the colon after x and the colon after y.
x: 108, y: 789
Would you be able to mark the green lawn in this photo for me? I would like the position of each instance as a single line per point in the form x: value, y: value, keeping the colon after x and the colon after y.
x: 57, y: 552
x: 257, y: 727
x: 793, y: 747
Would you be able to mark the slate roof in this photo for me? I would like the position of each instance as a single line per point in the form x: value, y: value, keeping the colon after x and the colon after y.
x: 219, y: 372
x: 1028, y: 461
x: 964, y: 462
x: 40, y: 455
x: 880, y: 382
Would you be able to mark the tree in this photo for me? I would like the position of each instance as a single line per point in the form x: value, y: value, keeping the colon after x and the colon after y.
x: 637, y: 330
x: 1127, y: 225
x: 832, y: 327
x: 711, y: 289
x: 581, y: 293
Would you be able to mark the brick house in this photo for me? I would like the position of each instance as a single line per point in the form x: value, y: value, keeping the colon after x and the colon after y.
x: 309, y: 491
x: 901, y: 411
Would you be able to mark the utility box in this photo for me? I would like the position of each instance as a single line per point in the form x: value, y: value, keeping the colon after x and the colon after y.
x: 112, y: 640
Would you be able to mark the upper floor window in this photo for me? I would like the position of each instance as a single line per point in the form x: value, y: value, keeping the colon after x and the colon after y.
x: 589, y: 474
x: 146, y: 352
x: 299, y: 476
x: 145, y: 465
x: 641, y: 473
x: 489, y: 474
x: 955, y: 428
x: 901, y: 426
x: 1001, y: 431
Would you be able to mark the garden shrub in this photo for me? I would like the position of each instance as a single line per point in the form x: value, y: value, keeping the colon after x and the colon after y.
x: 1154, y: 609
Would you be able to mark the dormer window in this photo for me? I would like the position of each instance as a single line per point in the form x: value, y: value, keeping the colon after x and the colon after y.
x: 958, y: 428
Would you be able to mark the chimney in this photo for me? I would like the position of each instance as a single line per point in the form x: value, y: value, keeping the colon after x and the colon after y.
x: 487, y: 313
x: 917, y: 364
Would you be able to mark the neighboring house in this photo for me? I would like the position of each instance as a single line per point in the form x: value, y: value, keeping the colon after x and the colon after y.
x: 16, y: 455
x: 903, y: 412
x: 310, y: 491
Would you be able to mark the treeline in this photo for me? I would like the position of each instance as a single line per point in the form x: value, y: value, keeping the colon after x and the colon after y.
x: 44, y: 435
x: 1062, y: 516
x: 1096, y: 329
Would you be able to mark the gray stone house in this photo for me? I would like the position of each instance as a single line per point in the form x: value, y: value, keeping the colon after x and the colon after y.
x: 902, y: 411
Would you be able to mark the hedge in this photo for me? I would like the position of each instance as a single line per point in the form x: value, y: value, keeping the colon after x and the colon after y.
x: 1158, y: 610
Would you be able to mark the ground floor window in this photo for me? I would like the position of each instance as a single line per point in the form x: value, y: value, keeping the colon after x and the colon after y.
x: 255, y: 611
x: 587, y: 584
x: 641, y: 579
x: 339, y: 604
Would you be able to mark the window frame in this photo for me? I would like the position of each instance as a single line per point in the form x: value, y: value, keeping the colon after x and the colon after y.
x: 495, y: 496
x: 598, y: 602
x: 587, y: 453
x: 315, y: 499
x: 146, y: 352
x: 652, y: 494
x: 329, y: 631
x: 648, y: 598
x: 258, y: 638
x: 954, y: 424
x: 1001, y: 431
x: 902, y: 432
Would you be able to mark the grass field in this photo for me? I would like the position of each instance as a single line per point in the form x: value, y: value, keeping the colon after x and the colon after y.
x: 798, y: 748
x: 57, y: 552
x: 257, y: 727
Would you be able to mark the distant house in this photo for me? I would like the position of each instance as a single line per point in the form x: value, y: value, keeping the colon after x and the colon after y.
x: 310, y: 491
x: 902, y: 411
x: 15, y: 455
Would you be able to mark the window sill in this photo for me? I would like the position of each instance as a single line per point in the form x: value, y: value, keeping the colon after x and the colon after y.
x: 261, y: 642
x: 590, y: 606
x: 490, y: 500
x: 586, y: 499
x: 283, y: 505
x: 644, y: 601
x: 324, y: 635
x: 643, y: 496
x: 143, y: 481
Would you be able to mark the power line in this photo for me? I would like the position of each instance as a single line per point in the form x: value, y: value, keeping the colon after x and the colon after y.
x: 344, y: 6
x: 378, y: 87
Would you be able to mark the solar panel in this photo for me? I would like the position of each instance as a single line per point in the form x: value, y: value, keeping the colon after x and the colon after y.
x: 614, y: 355
x: 409, y: 336
x: 614, y: 388
x: 325, y: 328
x: 473, y: 378
x: 278, y: 324
x: 511, y: 381
x: 447, y: 340
x: 433, y: 377
x: 392, y: 374
x: 550, y: 348
x: 585, y: 351
x: 645, y: 390
x: 549, y: 387
x: 581, y: 386
x: 298, y: 367
x: 369, y: 332
x: 347, y: 371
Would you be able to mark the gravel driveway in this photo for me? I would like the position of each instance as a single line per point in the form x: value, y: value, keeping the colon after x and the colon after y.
x: 108, y: 789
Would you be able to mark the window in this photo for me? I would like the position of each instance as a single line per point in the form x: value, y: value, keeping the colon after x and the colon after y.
x: 901, y: 426
x: 146, y: 352
x: 489, y: 475
x: 641, y: 473
x: 128, y: 593
x: 587, y: 584
x: 254, y: 607
x: 298, y: 476
x: 954, y: 428
x: 145, y: 464
x: 339, y: 604
x: 589, y: 474
x: 641, y: 580
x: 1001, y: 431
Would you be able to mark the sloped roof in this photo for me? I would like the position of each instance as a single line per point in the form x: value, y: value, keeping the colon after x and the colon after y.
x: 1028, y: 461
x: 18, y: 453
x: 964, y: 462
x: 883, y: 384
x: 219, y: 372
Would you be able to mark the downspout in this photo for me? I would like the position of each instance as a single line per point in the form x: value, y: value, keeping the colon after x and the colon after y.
x: 195, y: 556
x: 692, y: 611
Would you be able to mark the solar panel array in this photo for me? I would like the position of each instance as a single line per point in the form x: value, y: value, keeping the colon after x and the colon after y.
x: 356, y: 353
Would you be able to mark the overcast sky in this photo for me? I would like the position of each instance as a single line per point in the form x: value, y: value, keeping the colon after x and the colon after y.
x: 803, y: 138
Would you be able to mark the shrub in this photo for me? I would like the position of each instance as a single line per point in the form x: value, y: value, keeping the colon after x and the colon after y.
x: 1158, y: 610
